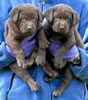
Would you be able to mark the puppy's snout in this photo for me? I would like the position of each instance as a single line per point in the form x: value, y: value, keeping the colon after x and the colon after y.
x: 61, y: 26
x: 29, y: 27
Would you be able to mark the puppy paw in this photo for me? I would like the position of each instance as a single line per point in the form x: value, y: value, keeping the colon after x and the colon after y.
x: 52, y: 73
x: 56, y: 93
x: 44, y: 44
x: 22, y: 64
x: 55, y: 74
x: 40, y: 60
x: 57, y: 63
x: 35, y: 87
x: 47, y: 78
x: 32, y: 84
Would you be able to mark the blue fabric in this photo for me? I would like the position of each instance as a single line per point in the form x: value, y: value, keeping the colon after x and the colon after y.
x: 5, y: 58
x: 19, y: 90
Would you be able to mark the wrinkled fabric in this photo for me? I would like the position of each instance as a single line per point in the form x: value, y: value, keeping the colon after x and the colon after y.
x: 19, y: 90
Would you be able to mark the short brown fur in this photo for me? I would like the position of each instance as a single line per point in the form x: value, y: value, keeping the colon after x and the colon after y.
x: 23, y: 22
x: 60, y: 25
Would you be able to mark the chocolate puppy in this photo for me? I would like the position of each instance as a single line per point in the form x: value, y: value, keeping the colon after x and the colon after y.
x: 60, y: 25
x: 23, y: 22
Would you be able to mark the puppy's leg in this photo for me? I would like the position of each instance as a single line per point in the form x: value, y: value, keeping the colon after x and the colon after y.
x: 79, y: 42
x: 64, y: 82
x: 43, y: 44
x: 17, y: 51
x: 55, y: 73
x: 50, y: 72
x: 47, y: 78
x: 25, y: 76
x: 41, y: 57
x: 42, y: 40
x: 67, y: 45
x: 31, y: 59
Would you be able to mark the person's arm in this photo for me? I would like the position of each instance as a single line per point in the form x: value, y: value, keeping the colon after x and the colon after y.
x: 81, y: 71
x: 5, y: 57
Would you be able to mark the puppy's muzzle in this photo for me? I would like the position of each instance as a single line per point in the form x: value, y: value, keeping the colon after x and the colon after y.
x: 61, y: 27
x: 29, y: 27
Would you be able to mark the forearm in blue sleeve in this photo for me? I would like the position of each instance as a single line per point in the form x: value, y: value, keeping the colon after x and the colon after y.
x: 82, y: 71
x: 5, y: 57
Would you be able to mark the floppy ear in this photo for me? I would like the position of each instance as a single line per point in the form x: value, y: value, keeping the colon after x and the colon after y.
x: 49, y: 14
x: 75, y: 18
x: 40, y: 15
x: 14, y: 13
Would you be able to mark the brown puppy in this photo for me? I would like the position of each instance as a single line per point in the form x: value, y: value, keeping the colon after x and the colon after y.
x: 62, y: 20
x: 60, y: 25
x: 23, y: 22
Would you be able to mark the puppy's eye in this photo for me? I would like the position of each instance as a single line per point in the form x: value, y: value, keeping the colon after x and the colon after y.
x: 35, y: 18
x: 68, y: 18
x: 22, y: 18
x: 56, y: 17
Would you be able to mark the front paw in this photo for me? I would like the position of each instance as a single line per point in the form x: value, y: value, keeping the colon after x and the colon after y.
x: 56, y: 92
x: 40, y: 60
x: 44, y: 44
x: 33, y: 85
x: 50, y: 72
x: 22, y: 64
x: 48, y: 78
x: 58, y: 62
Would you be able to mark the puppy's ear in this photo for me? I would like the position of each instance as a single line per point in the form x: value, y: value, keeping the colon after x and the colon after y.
x: 40, y: 15
x: 49, y: 14
x: 14, y: 13
x: 75, y: 18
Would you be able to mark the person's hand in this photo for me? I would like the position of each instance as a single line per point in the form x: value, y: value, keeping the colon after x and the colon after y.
x: 27, y: 46
x: 68, y: 56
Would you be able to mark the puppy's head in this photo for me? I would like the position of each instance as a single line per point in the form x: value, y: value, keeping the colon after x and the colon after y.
x: 26, y: 17
x: 61, y: 18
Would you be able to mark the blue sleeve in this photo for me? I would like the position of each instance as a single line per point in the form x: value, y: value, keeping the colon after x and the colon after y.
x: 5, y: 58
x: 82, y: 71
x: 5, y: 7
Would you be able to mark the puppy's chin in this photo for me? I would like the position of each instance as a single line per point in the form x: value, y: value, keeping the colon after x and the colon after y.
x: 27, y: 32
x: 57, y: 30
x: 60, y: 31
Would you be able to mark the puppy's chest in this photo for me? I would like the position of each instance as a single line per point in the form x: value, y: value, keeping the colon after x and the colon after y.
x: 21, y: 36
x: 54, y: 35
x: 58, y: 37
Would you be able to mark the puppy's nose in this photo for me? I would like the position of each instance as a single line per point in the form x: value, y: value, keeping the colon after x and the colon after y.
x: 29, y: 27
x: 61, y: 26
